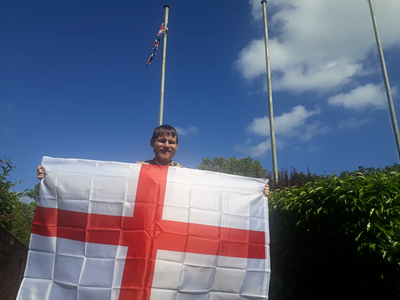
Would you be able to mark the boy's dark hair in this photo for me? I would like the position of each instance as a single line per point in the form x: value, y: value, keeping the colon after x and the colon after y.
x: 164, y: 130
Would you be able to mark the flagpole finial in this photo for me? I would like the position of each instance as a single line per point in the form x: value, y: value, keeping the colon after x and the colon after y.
x: 166, y: 5
x: 262, y: 1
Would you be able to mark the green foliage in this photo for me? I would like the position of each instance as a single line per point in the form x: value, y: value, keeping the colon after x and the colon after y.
x: 33, y: 193
x: 242, y: 166
x: 15, y: 216
x: 371, y: 170
x: 337, y: 237
x: 8, y: 198
x: 23, y: 214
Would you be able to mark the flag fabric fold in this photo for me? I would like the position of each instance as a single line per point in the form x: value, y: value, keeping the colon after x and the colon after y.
x: 157, y: 43
x: 109, y: 230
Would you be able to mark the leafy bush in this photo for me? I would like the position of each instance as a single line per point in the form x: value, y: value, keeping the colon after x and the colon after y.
x: 15, y: 216
x: 8, y: 197
x: 371, y: 170
x: 337, y: 238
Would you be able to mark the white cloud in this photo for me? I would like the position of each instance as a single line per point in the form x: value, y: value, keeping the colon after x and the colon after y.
x: 369, y: 95
x: 287, y: 124
x: 189, y: 130
x: 320, y: 45
x: 352, y: 123
x: 260, y: 149
x: 256, y: 11
x: 313, y: 129
x: 296, y: 75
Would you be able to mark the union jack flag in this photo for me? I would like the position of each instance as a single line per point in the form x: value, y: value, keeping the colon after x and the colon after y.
x: 156, y: 43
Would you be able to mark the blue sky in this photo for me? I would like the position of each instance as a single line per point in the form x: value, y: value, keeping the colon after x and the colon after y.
x: 73, y: 82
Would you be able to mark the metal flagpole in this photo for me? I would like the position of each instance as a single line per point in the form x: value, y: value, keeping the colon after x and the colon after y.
x: 164, y: 55
x: 385, y: 77
x: 271, y: 110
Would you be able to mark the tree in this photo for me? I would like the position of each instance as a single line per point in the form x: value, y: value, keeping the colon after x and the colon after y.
x: 292, y: 178
x: 15, y: 216
x: 8, y: 197
x: 33, y: 193
x: 242, y: 166
x: 23, y: 214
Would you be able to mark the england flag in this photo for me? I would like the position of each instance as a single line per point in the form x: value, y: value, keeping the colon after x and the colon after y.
x: 109, y: 230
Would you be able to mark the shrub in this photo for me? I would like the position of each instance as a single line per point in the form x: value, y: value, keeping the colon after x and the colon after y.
x: 337, y: 238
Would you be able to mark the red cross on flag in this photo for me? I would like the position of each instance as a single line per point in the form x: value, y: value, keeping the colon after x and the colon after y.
x: 109, y: 230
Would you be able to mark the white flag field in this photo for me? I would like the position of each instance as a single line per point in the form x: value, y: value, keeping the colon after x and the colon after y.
x: 109, y: 230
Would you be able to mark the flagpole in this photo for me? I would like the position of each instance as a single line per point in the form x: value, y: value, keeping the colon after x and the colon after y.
x: 386, y: 79
x: 164, y: 55
x: 271, y: 110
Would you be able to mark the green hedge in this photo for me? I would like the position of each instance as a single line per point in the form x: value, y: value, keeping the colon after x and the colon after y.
x: 337, y: 238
